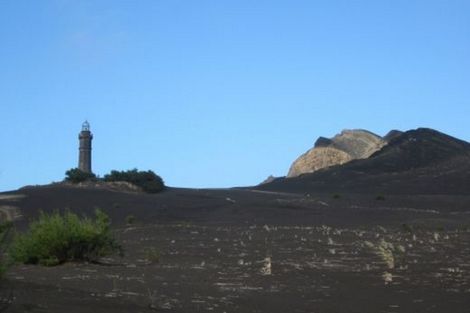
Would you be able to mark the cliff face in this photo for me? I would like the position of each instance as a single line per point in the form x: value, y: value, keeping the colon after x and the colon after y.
x: 342, y: 148
x: 318, y: 158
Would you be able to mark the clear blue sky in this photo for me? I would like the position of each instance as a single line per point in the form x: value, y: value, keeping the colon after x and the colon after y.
x: 220, y: 93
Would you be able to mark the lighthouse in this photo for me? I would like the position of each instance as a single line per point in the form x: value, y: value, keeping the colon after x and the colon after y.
x: 84, y: 157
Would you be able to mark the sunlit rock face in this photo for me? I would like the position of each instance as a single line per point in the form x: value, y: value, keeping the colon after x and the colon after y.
x: 349, y: 145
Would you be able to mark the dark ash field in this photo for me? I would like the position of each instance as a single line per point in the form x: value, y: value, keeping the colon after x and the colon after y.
x: 243, y: 250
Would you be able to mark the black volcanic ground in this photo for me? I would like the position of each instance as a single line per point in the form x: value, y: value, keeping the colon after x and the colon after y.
x: 386, y: 234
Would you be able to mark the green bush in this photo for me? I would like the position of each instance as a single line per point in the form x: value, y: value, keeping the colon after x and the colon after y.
x: 75, y: 175
x: 380, y: 198
x: 152, y: 255
x: 130, y: 219
x: 54, y: 239
x: 5, y: 228
x: 407, y: 228
x: 147, y: 180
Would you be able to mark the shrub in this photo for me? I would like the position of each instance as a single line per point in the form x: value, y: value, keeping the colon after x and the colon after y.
x: 336, y: 196
x: 147, y: 180
x: 407, y: 228
x: 152, y: 255
x: 5, y: 228
x: 380, y: 198
x: 55, y: 238
x: 75, y: 175
x: 130, y: 219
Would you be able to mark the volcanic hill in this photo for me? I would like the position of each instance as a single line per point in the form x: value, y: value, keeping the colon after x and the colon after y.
x: 421, y: 161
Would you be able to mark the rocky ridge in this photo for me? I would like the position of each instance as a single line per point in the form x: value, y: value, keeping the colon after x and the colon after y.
x: 420, y: 161
x: 349, y: 145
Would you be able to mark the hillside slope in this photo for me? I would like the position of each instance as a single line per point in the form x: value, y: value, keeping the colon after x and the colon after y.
x: 418, y: 161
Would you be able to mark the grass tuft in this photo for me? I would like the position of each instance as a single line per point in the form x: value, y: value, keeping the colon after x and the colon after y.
x: 380, y: 198
x: 130, y: 219
x: 152, y: 255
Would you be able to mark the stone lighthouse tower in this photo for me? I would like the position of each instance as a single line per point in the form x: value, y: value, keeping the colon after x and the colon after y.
x: 84, y: 157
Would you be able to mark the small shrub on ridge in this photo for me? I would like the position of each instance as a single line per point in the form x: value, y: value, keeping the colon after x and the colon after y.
x: 75, y: 175
x: 147, y: 180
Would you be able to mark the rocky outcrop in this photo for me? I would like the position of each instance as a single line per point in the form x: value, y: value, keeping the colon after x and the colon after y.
x: 322, y: 142
x: 342, y: 148
x: 318, y: 158
x: 392, y: 135
x: 268, y: 180
x: 422, y: 161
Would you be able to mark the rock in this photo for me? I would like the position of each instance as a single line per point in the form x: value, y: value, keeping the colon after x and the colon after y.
x: 318, y: 158
x: 322, y: 142
x: 270, y: 178
x: 342, y: 148
x: 392, y: 135
x: 358, y: 143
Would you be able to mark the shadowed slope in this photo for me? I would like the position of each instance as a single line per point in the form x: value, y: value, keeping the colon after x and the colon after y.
x: 418, y: 148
